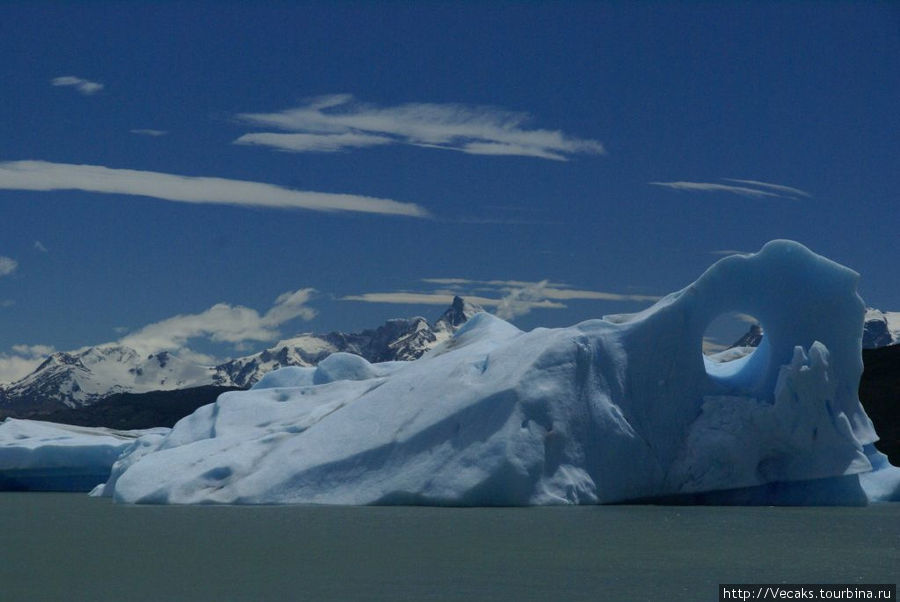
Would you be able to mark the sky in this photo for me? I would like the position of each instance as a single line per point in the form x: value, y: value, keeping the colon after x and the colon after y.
x: 212, y: 177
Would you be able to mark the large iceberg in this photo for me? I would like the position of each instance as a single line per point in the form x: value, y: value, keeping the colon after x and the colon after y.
x: 619, y: 409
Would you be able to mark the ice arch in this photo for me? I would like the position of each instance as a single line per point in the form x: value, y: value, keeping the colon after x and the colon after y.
x: 604, y: 411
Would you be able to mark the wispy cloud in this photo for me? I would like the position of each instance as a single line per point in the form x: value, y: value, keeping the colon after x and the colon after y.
x: 148, y: 132
x: 520, y: 301
x: 33, y: 350
x: 83, y: 86
x: 751, y: 188
x: 222, y: 323
x: 8, y: 265
x: 785, y: 190
x: 22, y: 361
x: 507, y: 298
x: 549, y: 289
x: 489, y: 283
x: 712, y: 187
x: 339, y: 122
x: 440, y: 298
x: 39, y: 246
x: 323, y: 143
x: 41, y: 175
x: 728, y: 252
x: 7, y: 303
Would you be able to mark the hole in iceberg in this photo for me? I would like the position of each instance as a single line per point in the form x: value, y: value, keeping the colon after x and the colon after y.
x: 730, y: 342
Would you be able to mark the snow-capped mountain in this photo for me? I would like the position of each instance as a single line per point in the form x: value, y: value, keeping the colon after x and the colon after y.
x: 85, y: 376
x: 401, y: 339
x: 82, y: 377
x: 882, y: 328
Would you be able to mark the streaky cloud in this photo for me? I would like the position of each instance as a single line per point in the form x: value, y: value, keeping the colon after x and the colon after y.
x: 714, y: 187
x: 322, y: 143
x: 8, y: 265
x: 224, y: 323
x: 509, y: 298
x: 494, y: 148
x: 148, y: 132
x: 728, y: 252
x: 46, y: 176
x: 83, y: 86
x: 338, y: 122
x: 787, y: 190
x: 550, y: 290
x: 494, y: 283
x: 750, y: 188
x: 405, y: 298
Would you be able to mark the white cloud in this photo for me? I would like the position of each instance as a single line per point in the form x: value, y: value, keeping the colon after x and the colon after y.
x: 509, y: 298
x: 148, y: 132
x: 339, y: 122
x: 405, y: 298
x: 550, y: 290
x: 519, y: 301
x: 753, y: 188
x: 728, y: 252
x: 34, y: 350
x: 439, y: 298
x: 786, y: 190
x: 39, y: 246
x: 8, y: 265
x: 84, y: 86
x: 7, y: 303
x: 325, y: 143
x: 713, y: 187
x: 566, y: 294
x: 222, y: 323
x: 488, y: 283
x: 42, y: 175
x: 22, y: 361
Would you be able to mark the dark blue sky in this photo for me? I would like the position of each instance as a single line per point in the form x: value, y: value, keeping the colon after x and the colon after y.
x: 593, y: 146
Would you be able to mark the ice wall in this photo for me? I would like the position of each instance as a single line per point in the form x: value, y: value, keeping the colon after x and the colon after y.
x: 45, y: 456
x: 611, y: 410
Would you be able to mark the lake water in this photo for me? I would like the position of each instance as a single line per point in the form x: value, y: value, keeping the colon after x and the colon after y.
x: 71, y: 547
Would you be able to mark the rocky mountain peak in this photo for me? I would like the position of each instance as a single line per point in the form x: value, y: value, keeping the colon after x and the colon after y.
x: 457, y: 314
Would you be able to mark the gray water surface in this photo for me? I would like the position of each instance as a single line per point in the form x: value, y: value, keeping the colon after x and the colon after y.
x: 71, y: 547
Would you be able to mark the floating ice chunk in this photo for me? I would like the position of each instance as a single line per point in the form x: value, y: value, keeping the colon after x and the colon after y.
x: 605, y: 411
x: 45, y: 456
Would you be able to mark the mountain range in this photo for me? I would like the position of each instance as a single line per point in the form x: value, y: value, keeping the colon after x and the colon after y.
x: 82, y: 378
